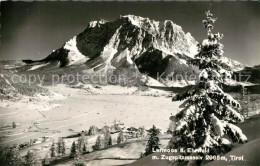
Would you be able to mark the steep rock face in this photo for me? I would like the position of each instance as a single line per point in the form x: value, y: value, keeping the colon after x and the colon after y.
x: 137, y: 34
x: 130, y: 42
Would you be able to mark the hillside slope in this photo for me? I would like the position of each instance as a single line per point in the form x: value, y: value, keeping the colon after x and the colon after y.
x: 249, y: 150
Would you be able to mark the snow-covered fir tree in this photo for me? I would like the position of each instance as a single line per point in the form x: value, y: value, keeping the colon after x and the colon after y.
x: 32, y: 159
x: 81, y: 143
x: 73, y: 150
x: 84, y: 150
x: 107, y: 136
x: 10, y: 156
x: 120, y: 138
x: 93, y: 130
x: 142, y: 132
x: 60, y: 147
x: 153, y: 142
x: 46, y: 160
x: 208, y: 114
x: 63, y: 149
x: 52, y: 149
x: 100, y: 142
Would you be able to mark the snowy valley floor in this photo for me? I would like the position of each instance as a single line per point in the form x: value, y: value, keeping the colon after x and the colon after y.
x: 70, y: 110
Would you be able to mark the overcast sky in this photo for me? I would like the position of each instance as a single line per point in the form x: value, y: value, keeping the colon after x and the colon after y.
x: 31, y: 30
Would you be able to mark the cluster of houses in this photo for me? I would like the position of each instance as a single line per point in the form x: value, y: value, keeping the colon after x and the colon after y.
x: 128, y: 132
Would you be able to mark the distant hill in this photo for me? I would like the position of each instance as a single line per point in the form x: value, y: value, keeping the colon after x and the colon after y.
x: 250, y: 74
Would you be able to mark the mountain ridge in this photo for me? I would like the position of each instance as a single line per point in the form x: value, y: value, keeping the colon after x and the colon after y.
x: 143, y: 45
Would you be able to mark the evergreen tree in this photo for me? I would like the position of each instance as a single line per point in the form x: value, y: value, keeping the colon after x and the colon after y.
x: 153, y: 142
x: 63, y: 149
x: 110, y: 142
x: 120, y: 138
x: 84, y: 148
x: 92, y: 130
x: 73, y: 150
x: 59, y: 147
x: 10, y: 156
x: 81, y: 143
x: 141, y: 155
x: 105, y: 130
x: 125, y: 138
x: 52, y: 149
x: 107, y: 137
x: 46, y: 160
x: 99, y: 143
x: 14, y: 125
x: 15, y: 156
x: 32, y: 159
x: 28, y: 157
x: 208, y: 114
x: 142, y: 132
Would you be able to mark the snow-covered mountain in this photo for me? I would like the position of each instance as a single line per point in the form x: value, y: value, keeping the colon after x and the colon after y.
x: 130, y: 42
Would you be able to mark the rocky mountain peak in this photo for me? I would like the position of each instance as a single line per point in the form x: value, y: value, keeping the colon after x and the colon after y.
x: 129, y: 42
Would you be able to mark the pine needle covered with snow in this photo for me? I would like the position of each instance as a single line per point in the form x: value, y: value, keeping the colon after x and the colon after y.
x: 208, y: 114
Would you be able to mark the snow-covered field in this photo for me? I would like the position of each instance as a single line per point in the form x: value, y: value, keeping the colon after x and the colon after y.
x: 70, y: 110
x: 119, y: 154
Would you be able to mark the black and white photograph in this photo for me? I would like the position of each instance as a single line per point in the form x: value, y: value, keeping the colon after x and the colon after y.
x: 134, y: 82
